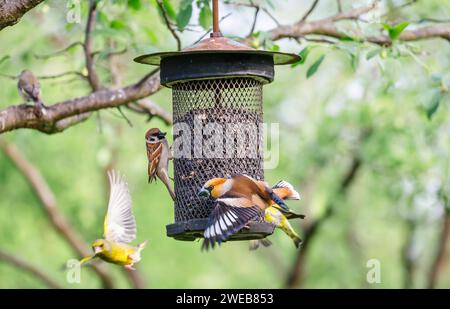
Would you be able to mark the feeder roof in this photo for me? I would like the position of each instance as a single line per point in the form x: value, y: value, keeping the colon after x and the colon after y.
x: 219, y: 45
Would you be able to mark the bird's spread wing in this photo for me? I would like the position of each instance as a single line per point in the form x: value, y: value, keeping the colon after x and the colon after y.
x: 229, y: 216
x: 120, y: 225
x: 154, y: 152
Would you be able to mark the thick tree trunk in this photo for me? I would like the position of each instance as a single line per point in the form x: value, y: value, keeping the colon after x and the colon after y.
x: 12, y: 11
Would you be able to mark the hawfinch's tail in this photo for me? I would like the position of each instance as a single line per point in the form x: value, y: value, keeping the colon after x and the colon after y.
x: 286, y: 191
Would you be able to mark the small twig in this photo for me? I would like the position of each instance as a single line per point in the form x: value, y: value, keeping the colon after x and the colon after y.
x: 169, y: 26
x: 59, y: 52
x: 152, y: 109
x: 255, y: 19
x: 311, y: 9
x: 14, y: 77
x: 112, y: 53
x: 63, y: 75
x: 253, y: 5
x: 27, y: 267
x: 319, y: 40
x: 339, y: 5
x: 210, y: 29
x: 87, y: 46
x: 406, y: 4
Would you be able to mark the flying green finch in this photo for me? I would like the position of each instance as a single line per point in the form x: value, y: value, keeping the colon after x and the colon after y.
x: 279, y: 216
x: 119, y: 228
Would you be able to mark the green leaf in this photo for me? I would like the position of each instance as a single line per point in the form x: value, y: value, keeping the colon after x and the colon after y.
x: 313, y: 68
x: 134, y: 4
x: 395, y: 31
x: 118, y: 24
x: 303, y: 55
x: 374, y: 52
x: 170, y: 11
x: 205, y: 17
x: 434, y: 103
x: 184, y: 15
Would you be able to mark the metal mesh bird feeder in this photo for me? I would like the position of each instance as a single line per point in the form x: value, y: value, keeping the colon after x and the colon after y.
x: 216, y: 83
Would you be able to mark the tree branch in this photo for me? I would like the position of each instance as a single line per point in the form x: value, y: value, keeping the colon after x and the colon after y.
x: 12, y: 11
x: 27, y: 267
x: 22, y: 116
x: 328, y: 27
x: 169, y: 26
x: 152, y: 110
x: 87, y: 46
x: 440, y: 259
x: 296, y: 275
x: 311, y: 9
x: 48, y: 201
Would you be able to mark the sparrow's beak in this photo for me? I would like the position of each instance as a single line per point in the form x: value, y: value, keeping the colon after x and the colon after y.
x: 161, y: 135
x: 97, y: 250
x: 203, y: 192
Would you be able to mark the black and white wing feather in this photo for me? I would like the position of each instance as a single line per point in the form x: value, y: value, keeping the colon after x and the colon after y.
x: 228, y: 217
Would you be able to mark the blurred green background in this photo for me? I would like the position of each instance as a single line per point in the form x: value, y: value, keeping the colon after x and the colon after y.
x: 385, y: 118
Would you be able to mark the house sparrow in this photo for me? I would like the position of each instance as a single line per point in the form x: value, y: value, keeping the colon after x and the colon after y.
x: 119, y: 228
x: 239, y: 199
x: 158, y: 154
x: 30, y: 90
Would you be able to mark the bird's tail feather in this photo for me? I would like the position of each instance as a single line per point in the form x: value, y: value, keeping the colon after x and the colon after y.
x: 86, y: 259
x: 297, y: 241
x: 142, y: 245
x: 136, y: 256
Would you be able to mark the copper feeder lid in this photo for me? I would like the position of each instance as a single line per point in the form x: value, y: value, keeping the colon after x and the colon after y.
x: 219, y: 45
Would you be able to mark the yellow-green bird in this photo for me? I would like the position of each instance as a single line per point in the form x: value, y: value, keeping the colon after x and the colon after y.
x: 119, y: 228
x: 280, y: 220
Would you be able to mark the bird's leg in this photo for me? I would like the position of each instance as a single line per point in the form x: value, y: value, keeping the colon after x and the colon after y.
x: 39, y: 108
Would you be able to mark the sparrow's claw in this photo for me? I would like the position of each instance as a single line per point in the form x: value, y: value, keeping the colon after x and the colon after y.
x: 246, y: 227
x: 39, y: 110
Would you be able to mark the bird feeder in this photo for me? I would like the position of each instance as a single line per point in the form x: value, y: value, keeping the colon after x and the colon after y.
x: 216, y: 81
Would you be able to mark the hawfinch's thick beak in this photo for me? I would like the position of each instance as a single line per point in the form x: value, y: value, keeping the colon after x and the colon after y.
x: 203, y: 192
x: 97, y: 250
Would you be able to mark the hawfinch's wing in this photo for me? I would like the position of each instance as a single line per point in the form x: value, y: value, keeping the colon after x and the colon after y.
x: 228, y: 217
x: 120, y: 225
x: 154, y: 151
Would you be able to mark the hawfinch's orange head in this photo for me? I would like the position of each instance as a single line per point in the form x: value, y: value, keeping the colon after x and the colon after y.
x: 215, y: 187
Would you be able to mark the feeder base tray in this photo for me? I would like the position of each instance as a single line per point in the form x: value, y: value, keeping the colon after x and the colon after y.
x: 193, y: 229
